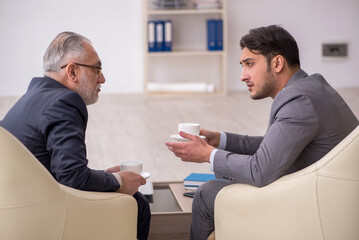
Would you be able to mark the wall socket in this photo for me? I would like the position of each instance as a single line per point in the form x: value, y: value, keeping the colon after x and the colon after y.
x: 334, y: 49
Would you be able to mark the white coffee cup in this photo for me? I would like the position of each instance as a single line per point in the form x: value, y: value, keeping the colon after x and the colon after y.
x: 133, y: 166
x: 191, y: 128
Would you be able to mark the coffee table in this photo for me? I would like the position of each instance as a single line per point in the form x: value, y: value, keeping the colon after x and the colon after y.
x: 171, y: 212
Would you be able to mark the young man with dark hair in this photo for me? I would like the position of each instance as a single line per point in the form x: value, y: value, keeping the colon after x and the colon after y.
x: 308, y: 118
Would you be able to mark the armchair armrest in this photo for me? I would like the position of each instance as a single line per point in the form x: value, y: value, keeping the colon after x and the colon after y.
x: 98, y: 215
x: 286, y: 209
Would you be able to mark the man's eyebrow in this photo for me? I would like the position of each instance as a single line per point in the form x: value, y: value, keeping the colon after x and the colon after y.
x: 245, y: 60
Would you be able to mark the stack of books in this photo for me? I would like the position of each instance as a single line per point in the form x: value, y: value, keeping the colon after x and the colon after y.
x: 194, y: 180
x: 206, y: 4
x: 169, y: 4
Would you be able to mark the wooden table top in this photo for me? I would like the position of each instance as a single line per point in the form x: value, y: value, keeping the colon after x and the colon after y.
x: 184, y: 202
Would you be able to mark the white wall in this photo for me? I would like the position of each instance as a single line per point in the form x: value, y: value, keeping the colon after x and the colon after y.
x: 311, y: 22
x: 28, y: 26
x: 115, y: 28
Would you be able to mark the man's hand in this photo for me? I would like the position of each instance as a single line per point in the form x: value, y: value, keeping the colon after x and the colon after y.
x: 196, y: 150
x: 213, y: 138
x: 114, y: 169
x: 131, y: 182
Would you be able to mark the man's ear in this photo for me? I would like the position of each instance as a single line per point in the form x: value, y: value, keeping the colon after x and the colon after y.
x: 278, y: 63
x: 71, y: 72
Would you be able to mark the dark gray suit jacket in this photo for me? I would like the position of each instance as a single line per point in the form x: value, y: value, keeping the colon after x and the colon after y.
x: 50, y: 120
x: 308, y: 118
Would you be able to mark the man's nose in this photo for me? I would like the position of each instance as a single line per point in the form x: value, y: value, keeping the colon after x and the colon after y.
x: 244, y: 75
x: 102, y: 79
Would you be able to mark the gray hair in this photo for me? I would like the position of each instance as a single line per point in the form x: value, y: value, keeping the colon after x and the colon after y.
x: 65, y: 46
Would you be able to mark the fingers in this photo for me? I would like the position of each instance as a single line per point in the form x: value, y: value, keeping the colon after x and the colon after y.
x: 212, y: 137
x: 188, y: 136
x: 171, y: 144
x: 113, y: 169
x: 184, y: 150
x: 131, y: 182
x: 175, y: 147
x: 203, y: 132
x: 178, y: 145
x: 142, y: 181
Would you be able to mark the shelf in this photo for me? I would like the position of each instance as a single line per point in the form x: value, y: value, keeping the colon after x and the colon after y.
x: 181, y: 87
x: 186, y: 53
x: 189, y: 68
x: 185, y: 11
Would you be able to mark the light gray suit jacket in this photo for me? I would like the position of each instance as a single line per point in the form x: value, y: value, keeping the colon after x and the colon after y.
x: 308, y: 118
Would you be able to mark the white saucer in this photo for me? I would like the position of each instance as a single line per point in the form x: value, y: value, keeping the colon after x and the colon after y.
x: 178, y: 138
x: 145, y: 174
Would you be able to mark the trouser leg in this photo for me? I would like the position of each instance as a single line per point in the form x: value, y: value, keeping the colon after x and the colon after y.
x: 203, y: 209
x: 143, y: 217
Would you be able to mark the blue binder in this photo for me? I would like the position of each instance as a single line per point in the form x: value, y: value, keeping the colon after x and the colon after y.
x: 151, y: 35
x: 159, y: 25
x: 215, y: 34
x: 211, y: 34
x: 167, y: 36
x: 219, y: 38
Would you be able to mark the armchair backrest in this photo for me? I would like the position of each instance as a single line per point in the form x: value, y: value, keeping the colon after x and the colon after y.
x: 338, y: 189
x: 318, y: 202
x: 336, y: 179
x: 31, y: 201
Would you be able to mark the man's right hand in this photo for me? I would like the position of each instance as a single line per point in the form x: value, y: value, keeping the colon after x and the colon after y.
x: 130, y: 182
x: 212, y: 138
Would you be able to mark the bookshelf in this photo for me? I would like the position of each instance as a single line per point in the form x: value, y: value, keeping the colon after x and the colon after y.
x: 189, y: 68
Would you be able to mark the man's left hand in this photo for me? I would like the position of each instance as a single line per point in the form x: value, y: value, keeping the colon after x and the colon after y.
x: 196, y: 150
x: 114, y: 169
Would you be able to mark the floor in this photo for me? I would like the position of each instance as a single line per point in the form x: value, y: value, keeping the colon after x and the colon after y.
x: 135, y: 127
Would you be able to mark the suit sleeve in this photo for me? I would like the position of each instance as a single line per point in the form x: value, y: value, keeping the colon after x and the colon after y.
x: 242, y: 144
x: 64, y: 123
x: 295, y: 124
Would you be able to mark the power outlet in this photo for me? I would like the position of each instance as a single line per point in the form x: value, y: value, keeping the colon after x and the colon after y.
x: 335, y: 49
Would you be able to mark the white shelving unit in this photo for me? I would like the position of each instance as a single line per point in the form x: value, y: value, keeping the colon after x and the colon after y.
x: 189, y: 67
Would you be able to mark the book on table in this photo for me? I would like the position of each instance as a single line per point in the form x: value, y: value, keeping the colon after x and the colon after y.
x: 194, y: 180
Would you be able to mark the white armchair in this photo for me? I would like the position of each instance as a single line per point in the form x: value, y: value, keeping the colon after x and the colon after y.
x: 34, y: 206
x: 318, y: 202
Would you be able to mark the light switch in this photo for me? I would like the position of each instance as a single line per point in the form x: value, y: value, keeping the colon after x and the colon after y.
x: 335, y: 49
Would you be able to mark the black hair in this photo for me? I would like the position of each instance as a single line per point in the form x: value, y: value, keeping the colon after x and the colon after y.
x: 271, y: 41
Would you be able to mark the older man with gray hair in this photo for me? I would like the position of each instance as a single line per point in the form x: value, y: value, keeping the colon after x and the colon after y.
x: 50, y: 120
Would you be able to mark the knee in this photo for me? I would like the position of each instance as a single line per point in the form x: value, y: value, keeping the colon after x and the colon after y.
x: 201, y: 191
x: 203, y: 195
x: 142, y: 203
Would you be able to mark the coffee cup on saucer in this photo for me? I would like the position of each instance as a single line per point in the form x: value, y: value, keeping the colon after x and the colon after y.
x: 134, y: 166
x: 190, y: 128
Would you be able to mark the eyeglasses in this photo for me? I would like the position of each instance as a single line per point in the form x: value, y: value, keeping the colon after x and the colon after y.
x: 97, y: 69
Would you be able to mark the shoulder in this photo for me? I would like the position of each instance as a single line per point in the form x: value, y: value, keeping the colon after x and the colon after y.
x: 302, y: 87
x: 48, y: 92
x: 303, y: 84
x: 62, y: 103
x: 298, y: 100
